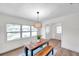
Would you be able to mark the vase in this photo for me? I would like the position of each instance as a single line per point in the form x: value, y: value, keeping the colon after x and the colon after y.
x: 38, y: 40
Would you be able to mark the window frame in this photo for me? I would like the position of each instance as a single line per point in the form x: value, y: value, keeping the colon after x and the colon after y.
x: 60, y: 29
x: 12, y: 32
x: 25, y: 31
x: 21, y: 31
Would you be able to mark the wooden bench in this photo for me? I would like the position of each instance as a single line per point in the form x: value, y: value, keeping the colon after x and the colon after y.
x: 45, y: 51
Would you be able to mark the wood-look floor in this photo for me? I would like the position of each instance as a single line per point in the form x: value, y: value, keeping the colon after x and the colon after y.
x: 54, y: 42
x: 14, y: 52
x: 62, y: 51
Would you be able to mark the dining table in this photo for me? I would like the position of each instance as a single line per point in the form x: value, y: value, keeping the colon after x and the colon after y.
x: 33, y: 47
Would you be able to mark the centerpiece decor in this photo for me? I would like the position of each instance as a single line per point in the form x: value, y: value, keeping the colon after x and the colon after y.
x: 39, y: 37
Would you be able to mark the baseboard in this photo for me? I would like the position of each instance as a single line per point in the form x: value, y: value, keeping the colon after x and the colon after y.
x: 70, y: 50
x: 55, y: 39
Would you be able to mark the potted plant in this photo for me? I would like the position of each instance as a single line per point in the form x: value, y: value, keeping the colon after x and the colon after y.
x: 38, y: 37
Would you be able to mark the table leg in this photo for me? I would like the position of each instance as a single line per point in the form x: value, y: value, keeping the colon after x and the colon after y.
x: 26, y: 51
x: 52, y: 51
x: 47, y: 43
x: 31, y: 52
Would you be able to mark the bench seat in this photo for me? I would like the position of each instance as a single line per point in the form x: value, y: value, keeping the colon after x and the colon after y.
x: 45, y: 51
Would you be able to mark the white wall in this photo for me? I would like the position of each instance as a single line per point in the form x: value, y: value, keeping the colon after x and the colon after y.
x: 9, y: 45
x: 49, y: 34
x: 70, y: 36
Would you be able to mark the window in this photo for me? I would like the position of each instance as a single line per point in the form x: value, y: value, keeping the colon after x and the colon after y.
x: 25, y: 28
x: 34, y: 31
x: 13, y: 31
x: 25, y: 31
x: 34, y: 34
x: 59, y: 29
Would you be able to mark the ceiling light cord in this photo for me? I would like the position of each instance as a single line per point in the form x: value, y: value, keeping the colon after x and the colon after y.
x: 38, y: 24
x: 38, y: 17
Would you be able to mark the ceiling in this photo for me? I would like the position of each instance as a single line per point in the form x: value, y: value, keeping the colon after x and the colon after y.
x: 47, y: 11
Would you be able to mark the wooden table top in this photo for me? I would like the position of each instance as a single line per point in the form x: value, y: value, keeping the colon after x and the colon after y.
x: 30, y: 47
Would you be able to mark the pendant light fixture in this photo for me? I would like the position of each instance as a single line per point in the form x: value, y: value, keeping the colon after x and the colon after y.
x: 37, y: 24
